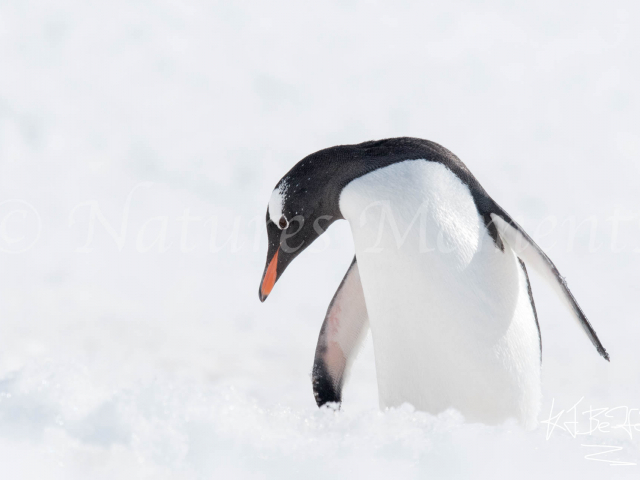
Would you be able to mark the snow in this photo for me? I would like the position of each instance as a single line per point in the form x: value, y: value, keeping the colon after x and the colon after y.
x: 139, y: 145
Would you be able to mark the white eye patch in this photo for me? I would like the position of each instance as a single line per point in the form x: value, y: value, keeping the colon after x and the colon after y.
x: 275, y: 204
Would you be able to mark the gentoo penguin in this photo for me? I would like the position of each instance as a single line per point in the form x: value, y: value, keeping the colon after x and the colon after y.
x: 439, y: 276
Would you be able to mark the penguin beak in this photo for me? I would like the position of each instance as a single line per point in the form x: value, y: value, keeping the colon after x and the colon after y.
x: 269, y: 277
x: 283, y: 248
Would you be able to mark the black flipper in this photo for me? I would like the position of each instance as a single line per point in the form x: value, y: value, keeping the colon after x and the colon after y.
x: 526, y: 249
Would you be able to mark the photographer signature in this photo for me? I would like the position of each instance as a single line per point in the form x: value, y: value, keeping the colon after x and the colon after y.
x: 576, y: 422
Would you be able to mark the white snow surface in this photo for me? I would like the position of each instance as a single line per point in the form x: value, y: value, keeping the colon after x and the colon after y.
x: 139, y: 146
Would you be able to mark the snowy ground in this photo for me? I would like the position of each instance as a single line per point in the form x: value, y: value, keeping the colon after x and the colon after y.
x: 132, y: 341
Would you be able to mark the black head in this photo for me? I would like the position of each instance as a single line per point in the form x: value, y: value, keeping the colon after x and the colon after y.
x: 302, y: 206
x: 306, y: 200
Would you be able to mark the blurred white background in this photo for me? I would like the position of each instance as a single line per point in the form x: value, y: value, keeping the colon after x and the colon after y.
x: 139, y: 144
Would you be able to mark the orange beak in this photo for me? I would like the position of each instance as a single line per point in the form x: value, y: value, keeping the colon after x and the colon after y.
x: 269, y: 279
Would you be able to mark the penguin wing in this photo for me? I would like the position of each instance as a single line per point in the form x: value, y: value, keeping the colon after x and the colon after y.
x: 341, y: 335
x: 525, y: 248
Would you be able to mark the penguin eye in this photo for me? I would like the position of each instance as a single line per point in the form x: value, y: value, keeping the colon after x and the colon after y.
x: 283, y: 222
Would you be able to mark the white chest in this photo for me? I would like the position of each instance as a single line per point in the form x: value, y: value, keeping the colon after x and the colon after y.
x: 450, y: 315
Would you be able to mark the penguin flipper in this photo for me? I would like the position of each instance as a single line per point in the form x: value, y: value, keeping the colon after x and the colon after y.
x: 345, y: 326
x: 525, y: 248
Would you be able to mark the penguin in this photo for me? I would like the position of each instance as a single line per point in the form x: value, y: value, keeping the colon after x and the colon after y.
x: 439, y: 277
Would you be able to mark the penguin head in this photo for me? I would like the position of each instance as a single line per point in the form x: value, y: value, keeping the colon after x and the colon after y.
x: 306, y: 200
x: 302, y: 206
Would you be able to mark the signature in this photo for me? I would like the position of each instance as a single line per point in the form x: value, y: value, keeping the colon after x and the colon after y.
x: 580, y: 421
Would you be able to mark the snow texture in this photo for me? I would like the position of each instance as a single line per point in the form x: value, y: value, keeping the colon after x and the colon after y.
x: 140, y: 143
